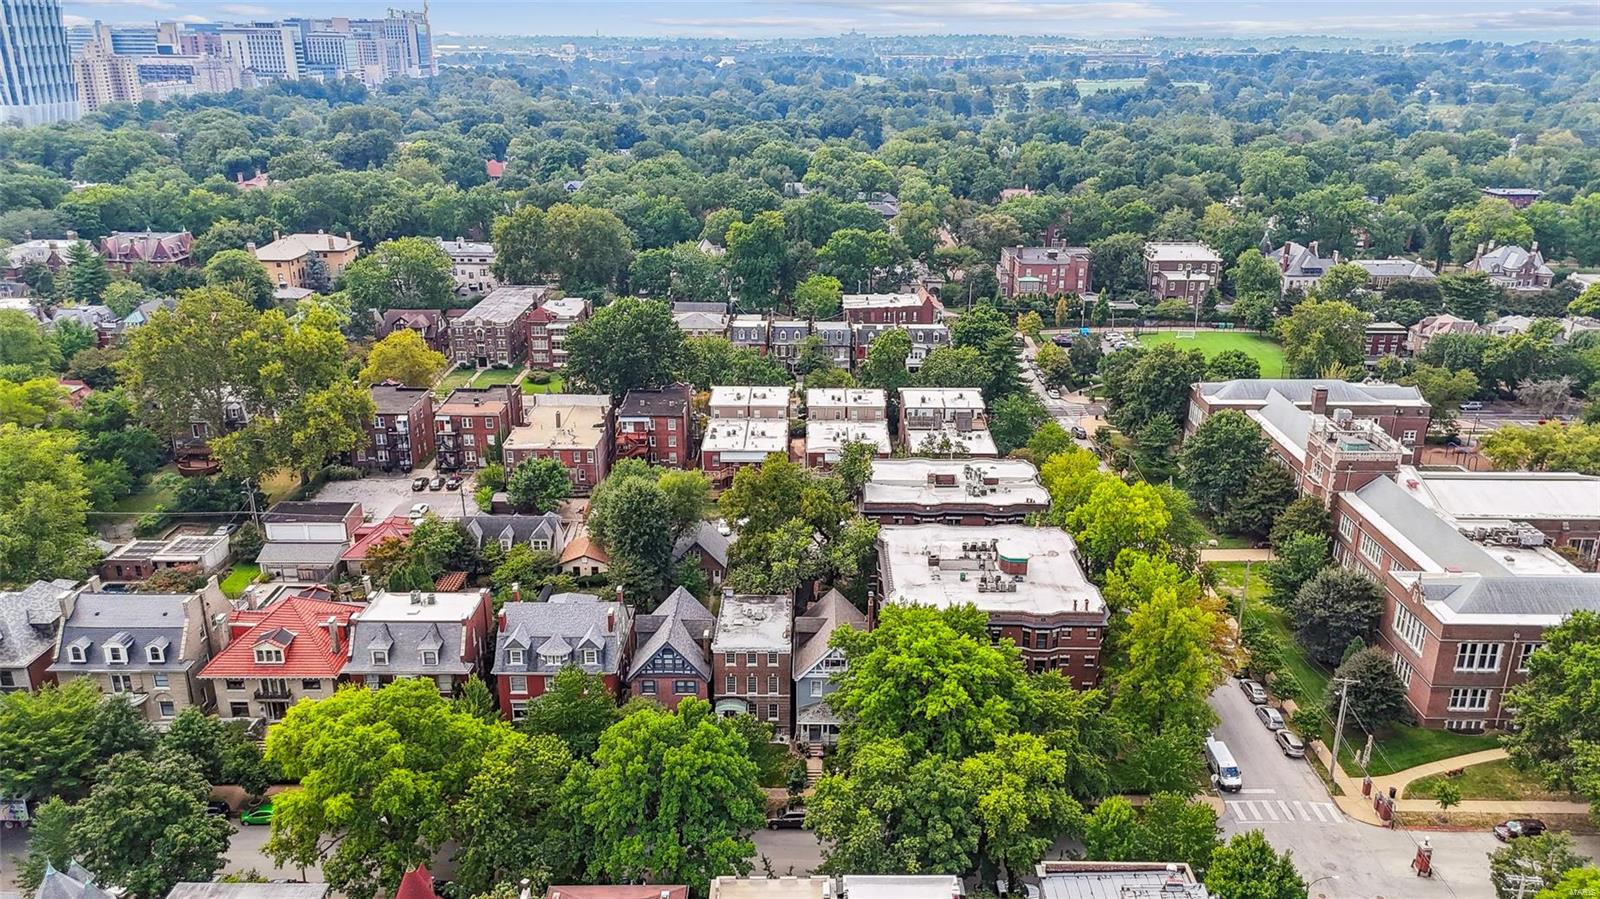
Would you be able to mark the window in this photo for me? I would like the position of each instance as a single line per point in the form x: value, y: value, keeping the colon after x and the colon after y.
x: 1408, y: 437
x: 519, y: 709
x: 167, y: 708
x: 816, y: 686
x: 648, y: 688
x: 1371, y: 550
x: 732, y: 685
x: 772, y: 660
x: 380, y: 657
x: 1471, y: 726
x: 1478, y: 657
x: 772, y: 683
x: 488, y: 422
x: 156, y: 655
x: 269, y: 655
x: 115, y: 654
x: 233, y: 684
x: 750, y: 659
x: 239, y: 709
x: 76, y: 654
x: 1528, y: 649
x: 1093, y: 633
x: 591, y: 657
x: 514, y: 657
x: 772, y: 711
x: 430, y: 657
x: 121, y: 683
x: 1347, y: 528
x: 311, y: 684
x: 1469, y: 699
x: 1409, y: 628
x: 1402, y: 670
x: 8, y: 679
x: 685, y: 687
x: 158, y: 679
x: 729, y: 658
x: 1089, y: 661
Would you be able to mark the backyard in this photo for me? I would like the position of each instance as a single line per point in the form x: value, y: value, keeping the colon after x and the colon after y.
x: 161, y: 489
x: 241, y: 576
x: 1264, y: 350
x: 554, y: 385
x: 457, y: 377
x: 494, y: 377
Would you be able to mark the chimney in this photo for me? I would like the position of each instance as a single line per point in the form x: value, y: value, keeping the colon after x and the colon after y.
x: 611, y: 621
x: 620, y: 599
x: 558, y: 419
x: 524, y: 893
x: 366, y: 585
x: 348, y: 237
x: 72, y: 235
x: 276, y: 234
x: 1314, y: 251
x: 1535, y: 247
x: 460, y: 243
x: 502, y: 621
x: 250, y: 245
x: 416, y: 597
x: 332, y: 624
x: 1335, y: 257
x: 1319, y: 399
x: 1480, y: 252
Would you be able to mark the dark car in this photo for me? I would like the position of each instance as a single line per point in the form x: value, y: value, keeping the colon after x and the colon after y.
x: 1061, y: 340
x: 437, y: 483
x: 453, y: 482
x: 219, y: 808
x: 1506, y: 831
x: 790, y: 819
x: 420, y: 483
x: 1080, y: 433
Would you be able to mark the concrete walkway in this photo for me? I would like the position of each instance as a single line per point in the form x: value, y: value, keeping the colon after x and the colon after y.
x: 1236, y: 555
x: 1360, y: 808
x: 1402, y: 779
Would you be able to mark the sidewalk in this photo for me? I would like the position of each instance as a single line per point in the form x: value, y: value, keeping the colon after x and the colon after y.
x: 1236, y: 555
x: 1359, y: 808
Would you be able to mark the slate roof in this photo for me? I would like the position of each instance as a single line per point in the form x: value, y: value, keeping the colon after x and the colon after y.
x: 520, y: 528
x: 1293, y: 422
x: 1526, y: 594
x: 578, y: 619
x: 678, y: 622
x: 278, y: 552
x: 1395, y: 268
x: 1510, y: 258
x: 74, y: 883
x: 136, y: 620
x: 1298, y: 391
x: 406, y: 624
x: 298, y: 624
x: 710, y: 541
x: 1042, y: 255
x: 1419, y: 529
x: 672, y: 400
x: 28, y: 621
x: 504, y: 305
x: 813, y: 629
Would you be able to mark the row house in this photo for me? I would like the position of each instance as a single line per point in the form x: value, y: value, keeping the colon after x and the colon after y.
x: 759, y: 403
x: 950, y: 421
x: 972, y: 492
x: 495, y: 331
x: 839, y: 342
x: 471, y: 265
x: 288, y: 258
x: 30, y: 618
x: 306, y: 539
x: 573, y: 429
x: 123, y: 251
x: 1383, y: 339
x: 472, y: 421
x: 1420, y: 334
x: 1027, y: 581
x: 432, y: 325
x: 924, y: 340
x: 1400, y: 411
x: 731, y: 444
x: 148, y: 648
x: 701, y: 319
x: 548, y: 326
x: 137, y: 560
x: 441, y: 636
x: 816, y: 664
x: 1184, y: 270
x: 750, y: 332
x: 656, y: 425
x: 291, y: 650
x: 784, y: 338
x: 400, y: 435
x: 672, y: 655
x: 753, y: 658
x: 920, y: 307
x: 1512, y: 267
x: 1043, y: 270
x: 537, y: 639
x: 846, y: 404
x: 826, y: 440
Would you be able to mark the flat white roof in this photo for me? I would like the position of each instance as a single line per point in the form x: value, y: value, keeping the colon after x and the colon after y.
x: 1182, y: 251
x: 880, y: 300
x: 941, y: 398
x: 397, y: 606
x: 566, y: 307
x: 1517, y: 495
x: 831, y: 436
x: 757, y: 623
x: 759, y: 436
x: 975, y: 442
x: 760, y: 397
x: 902, y: 481
x: 576, y: 426
x: 848, y: 397
x: 1054, y: 581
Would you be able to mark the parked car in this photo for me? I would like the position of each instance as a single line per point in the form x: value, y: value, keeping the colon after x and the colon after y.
x: 261, y: 814
x: 1053, y: 393
x: 453, y: 482
x: 1253, y: 691
x: 789, y: 819
x: 1471, y: 406
x: 1270, y: 717
x: 417, y: 511
x: 1061, y: 340
x: 420, y: 483
x: 437, y: 483
x: 219, y: 808
x: 1506, y: 831
x: 1079, y: 432
x: 1290, y: 743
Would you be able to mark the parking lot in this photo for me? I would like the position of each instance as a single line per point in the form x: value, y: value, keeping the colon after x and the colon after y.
x: 382, y: 495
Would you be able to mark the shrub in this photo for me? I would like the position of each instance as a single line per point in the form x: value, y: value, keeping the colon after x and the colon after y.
x: 538, y: 376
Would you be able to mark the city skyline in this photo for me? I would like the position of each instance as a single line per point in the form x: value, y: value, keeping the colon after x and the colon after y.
x: 1407, y: 20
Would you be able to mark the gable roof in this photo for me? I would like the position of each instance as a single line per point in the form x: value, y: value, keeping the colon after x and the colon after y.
x: 1549, y: 596
x: 299, y: 625
x: 711, y: 541
x: 74, y: 883
x: 1298, y: 391
x: 813, y: 629
x: 132, y: 620
x: 408, y: 624
x: 1417, y: 531
x: 397, y: 527
x: 28, y: 621
x: 677, y: 623
x: 416, y: 884
x: 519, y: 528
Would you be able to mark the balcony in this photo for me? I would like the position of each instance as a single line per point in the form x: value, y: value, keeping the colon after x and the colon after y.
x: 269, y: 690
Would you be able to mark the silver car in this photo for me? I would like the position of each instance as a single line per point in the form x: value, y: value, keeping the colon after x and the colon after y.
x: 1270, y: 717
x: 1253, y: 691
x: 1290, y: 743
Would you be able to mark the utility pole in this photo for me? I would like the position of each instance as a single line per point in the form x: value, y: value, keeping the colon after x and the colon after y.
x: 1244, y: 595
x: 1338, y: 729
x: 1523, y: 881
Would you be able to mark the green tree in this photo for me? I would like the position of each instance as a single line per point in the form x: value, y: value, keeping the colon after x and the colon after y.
x: 1341, y: 282
x: 48, y: 745
x: 49, y: 843
x: 538, y: 485
x: 1247, y: 867
x: 576, y: 708
x: 1220, y: 458
x: 87, y: 276
x: 238, y: 272
x: 628, y: 345
x: 180, y: 366
x: 854, y: 467
x: 43, y: 506
x: 885, y: 365
x: 1142, y: 385
x: 512, y: 818
x: 1256, y: 275
x: 1577, y: 883
x: 1469, y: 295
x: 1117, y: 264
x: 1231, y: 364
x: 1171, y: 826
x: 1171, y: 666
x: 475, y: 699
x: 1443, y: 389
x: 1118, y: 516
x: 405, y: 273
x: 1270, y: 490
x: 1306, y: 515
x: 380, y: 772
x: 758, y: 261
x: 1111, y: 832
x: 896, y: 810
x: 586, y: 247
x: 1558, y: 706
x: 1447, y: 795
x: 1320, y: 333
x: 1021, y: 803
x: 1014, y: 419
x: 518, y: 237
x: 1376, y: 696
x: 671, y: 798
x: 1333, y: 607
x: 775, y: 561
x: 403, y: 356
x: 1548, y: 856
x: 818, y: 297
x: 22, y: 344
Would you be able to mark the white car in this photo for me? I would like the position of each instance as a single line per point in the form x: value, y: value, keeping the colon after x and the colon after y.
x: 417, y: 511
x: 1053, y: 393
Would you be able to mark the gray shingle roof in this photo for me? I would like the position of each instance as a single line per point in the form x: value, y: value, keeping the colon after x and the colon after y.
x: 676, y: 623
x: 1293, y: 421
x: 136, y: 620
x: 813, y: 629
x: 1521, y: 595
x: 392, y: 399
x: 710, y: 540
x: 1426, y: 530
x: 520, y: 528
x: 73, y: 883
x: 407, y: 625
x: 565, y: 618
x: 1298, y: 390
x: 28, y: 621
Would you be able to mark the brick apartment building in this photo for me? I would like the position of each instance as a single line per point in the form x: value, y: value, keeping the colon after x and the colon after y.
x: 972, y: 492
x: 753, y: 658
x: 400, y: 435
x: 1400, y: 411
x: 918, y: 307
x: 1042, y: 270
x: 495, y: 331
x: 472, y: 421
x: 657, y: 426
x: 1383, y: 339
x: 573, y: 429
x: 1184, y: 270
x: 535, y: 640
x: 125, y: 250
x: 944, y: 421
x: 432, y: 325
x: 547, y: 331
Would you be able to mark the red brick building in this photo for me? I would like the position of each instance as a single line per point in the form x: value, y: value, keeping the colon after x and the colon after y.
x: 472, y: 421
x: 753, y: 657
x: 657, y: 426
x: 400, y: 435
x: 1400, y: 411
x: 573, y: 429
x: 1384, y: 339
x: 920, y: 307
x: 1184, y: 270
x: 495, y: 331
x: 671, y: 658
x: 972, y: 492
x: 538, y: 639
x: 1042, y: 270
x: 124, y: 250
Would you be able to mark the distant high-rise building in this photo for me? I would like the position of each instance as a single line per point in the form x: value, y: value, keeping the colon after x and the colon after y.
x: 36, y: 84
x: 270, y: 50
x: 135, y: 40
x: 104, y: 77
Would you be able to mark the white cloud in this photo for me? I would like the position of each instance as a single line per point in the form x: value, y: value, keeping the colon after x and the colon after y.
x: 142, y: 4
x: 246, y: 9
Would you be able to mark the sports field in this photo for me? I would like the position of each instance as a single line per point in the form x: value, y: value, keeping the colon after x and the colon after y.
x: 1267, y: 352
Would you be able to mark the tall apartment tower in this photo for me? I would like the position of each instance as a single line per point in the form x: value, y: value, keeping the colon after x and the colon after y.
x: 36, y: 80
x: 104, y: 77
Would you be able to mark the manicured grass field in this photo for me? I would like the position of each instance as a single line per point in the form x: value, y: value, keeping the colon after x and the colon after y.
x: 242, y: 576
x: 494, y: 377
x: 1267, y: 352
x: 1490, y: 780
x: 456, y: 378
x: 555, y: 385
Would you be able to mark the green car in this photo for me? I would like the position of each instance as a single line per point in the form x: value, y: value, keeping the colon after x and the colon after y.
x: 261, y: 814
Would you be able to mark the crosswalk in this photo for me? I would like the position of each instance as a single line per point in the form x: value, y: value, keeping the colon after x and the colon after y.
x: 1268, y: 811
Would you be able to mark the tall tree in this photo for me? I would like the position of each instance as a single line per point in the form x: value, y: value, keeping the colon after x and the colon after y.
x: 1321, y: 333
x: 576, y: 708
x: 538, y: 485
x: 896, y: 810
x: 1376, y: 697
x: 87, y: 276
x: 1336, y: 606
x: 405, y: 273
x: 1247, y: 867
x: 1171, y: 666
x: 512, y: 818
x: 518, y: 237
x: 587, y: 248
x: 1220, y: 458
x: 402, y: 356
x: 44, y: 504
x: 239, y: 273
x: 1558, y: 706
x: 627, y: 345
x: 758, y: 261
x: 885, y: 366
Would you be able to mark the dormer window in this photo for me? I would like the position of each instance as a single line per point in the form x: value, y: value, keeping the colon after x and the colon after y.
x: 269, y: 655
x: 514, y: 657
x: 591, y: 657
x: 116, y: 655
x: 77, y: 654
x: 380, y: 657
x: 430, y: 657
x: 156, y: 655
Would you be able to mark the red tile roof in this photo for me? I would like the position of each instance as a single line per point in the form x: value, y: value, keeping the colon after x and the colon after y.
x: 450, y: 582
x: 308, y: 652
x: 416, y: 884
x: 494, y: 168
x: 370, y: 535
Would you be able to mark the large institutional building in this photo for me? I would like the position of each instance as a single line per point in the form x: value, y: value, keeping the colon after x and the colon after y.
x: 36, y: 77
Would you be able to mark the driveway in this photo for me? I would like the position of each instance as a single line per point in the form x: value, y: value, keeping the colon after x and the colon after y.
x: 382, y: 495
x: 1285, y: 800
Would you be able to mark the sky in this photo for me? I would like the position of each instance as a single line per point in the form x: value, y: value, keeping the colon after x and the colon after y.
x: 1391, y: 20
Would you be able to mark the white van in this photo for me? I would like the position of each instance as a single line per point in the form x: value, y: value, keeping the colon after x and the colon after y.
x: 1224, y: 770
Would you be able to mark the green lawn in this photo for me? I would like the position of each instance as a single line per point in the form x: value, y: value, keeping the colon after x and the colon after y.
x: 1490, y: 780
x: 242, y: 576
x: 1409, y: 747
x: 1267, y: 352
x: 158, y: 490
x: 1224, y: 541
x: 555, y: 385
x: 494, y: 377
x: 1228, y: 578
x: 456, y: 378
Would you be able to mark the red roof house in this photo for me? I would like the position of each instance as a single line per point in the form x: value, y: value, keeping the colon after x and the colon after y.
x: 397, y: 527
x: 494, y: 168
x: 416, y: 884
x: 276, y: 656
